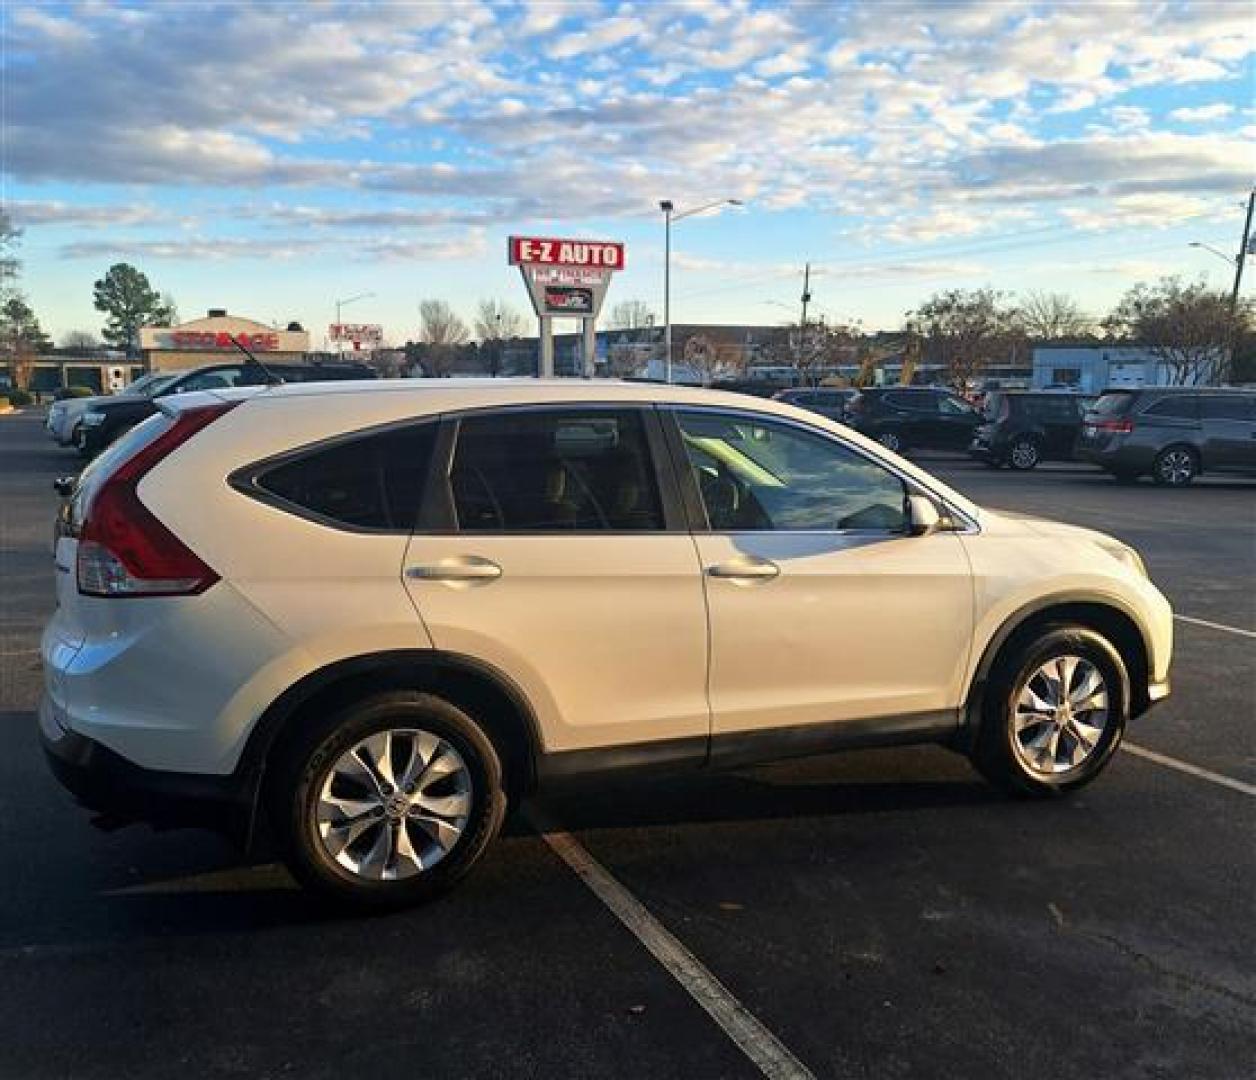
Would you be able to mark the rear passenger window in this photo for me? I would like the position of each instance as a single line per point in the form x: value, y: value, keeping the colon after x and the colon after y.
x: 1183, y: 407
x: 565, y: 470
x: 1227, y: 408
x: 372, y: 482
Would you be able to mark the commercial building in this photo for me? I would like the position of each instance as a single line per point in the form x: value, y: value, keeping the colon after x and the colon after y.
x: 209, y: 341
x: 1092, y: 368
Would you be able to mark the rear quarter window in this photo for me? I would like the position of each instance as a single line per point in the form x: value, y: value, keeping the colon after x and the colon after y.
x: 373, y: 481
x: 1112, y: 404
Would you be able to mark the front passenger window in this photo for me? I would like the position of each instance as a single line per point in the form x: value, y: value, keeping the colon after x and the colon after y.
x: 758, y: 476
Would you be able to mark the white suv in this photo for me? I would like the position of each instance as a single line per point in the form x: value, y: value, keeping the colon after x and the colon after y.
x: 374, y: 614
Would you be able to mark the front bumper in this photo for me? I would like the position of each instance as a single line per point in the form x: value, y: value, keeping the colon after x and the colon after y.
x: 122, y: 792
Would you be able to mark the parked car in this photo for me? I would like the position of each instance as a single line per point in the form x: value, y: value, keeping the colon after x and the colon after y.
x: 904, y: 418
x: 1173, y: 434
x: 379, y: 615
x: 1022, y: 428
x: 110, y: 417
x: 825, y: 400
x: 66, y: 414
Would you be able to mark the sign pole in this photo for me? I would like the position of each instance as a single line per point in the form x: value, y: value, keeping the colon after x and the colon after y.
x: 590, y: 347
x: 546, y: 370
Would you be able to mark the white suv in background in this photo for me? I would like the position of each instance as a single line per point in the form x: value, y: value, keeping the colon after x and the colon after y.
x: 374, y: 614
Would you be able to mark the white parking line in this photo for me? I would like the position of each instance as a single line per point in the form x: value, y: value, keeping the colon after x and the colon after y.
x: 1192, y: 770
x: 1216, y: 626
x: 739, y: 1024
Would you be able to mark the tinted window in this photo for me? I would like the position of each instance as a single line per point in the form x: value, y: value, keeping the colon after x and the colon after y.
x: 371, y: 482
x: 1112, y: 404
x: 759, y: 476
x: 1228, y: 407
x: 1180, y: 406
x: 563, y: 470
x: 952, y: 406
x: 218, y: 379
x: 916, y: 402
x: 1051, y: 408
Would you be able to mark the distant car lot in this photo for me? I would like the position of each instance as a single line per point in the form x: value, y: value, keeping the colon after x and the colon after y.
x: 880, y: 913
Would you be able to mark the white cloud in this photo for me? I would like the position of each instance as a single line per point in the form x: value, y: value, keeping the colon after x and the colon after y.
x: 1202, y: 114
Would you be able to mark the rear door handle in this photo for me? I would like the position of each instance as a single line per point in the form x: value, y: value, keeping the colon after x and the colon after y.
x: 745, y: 568
x: 458, y: 568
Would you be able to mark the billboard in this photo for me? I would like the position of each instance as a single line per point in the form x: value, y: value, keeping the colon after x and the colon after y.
x: 358, y: 333
x: 548, y: 251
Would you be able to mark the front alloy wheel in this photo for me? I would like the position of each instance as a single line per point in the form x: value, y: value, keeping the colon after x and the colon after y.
x: 1053, y: 711
x: 1060, y: 716
x: 1023, y: 455
x: 891, y: 441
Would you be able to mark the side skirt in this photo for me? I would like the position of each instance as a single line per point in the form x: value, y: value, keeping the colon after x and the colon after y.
x: 736, y: 749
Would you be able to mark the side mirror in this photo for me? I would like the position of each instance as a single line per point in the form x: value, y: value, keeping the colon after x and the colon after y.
x: 64, y: 485
x: 923, y: 516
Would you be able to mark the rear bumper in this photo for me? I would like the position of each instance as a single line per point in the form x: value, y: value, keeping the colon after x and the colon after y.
x: 123, y: 792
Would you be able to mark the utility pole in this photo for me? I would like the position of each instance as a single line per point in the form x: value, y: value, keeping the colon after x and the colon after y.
x: 667, y: 207
x: 802, y: 326
x: 1240, y: 258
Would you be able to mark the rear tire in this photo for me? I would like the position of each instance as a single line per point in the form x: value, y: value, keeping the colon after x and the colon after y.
x: 1175, y: 466
x: 387, y: 803
x: 1038, y: 740
x: 1024, y: 454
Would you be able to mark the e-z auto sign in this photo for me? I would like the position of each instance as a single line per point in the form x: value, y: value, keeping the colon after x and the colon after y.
x: 547, y: 251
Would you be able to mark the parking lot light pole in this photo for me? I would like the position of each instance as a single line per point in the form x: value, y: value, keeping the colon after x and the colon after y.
x: 345, y: 303
x: 669, y: 215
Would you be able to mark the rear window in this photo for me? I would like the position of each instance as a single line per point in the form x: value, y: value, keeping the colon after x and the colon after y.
x: 372, y: 482
x: 1183, y: 407
x: 1113, y: 403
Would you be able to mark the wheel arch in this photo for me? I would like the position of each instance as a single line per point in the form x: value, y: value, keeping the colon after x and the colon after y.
x: 1103, y: 614
x: 490, y: 696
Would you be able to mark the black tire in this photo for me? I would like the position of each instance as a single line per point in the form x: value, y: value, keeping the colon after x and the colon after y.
x: 1024, y: 453
x: 1175, y: 466
x: 306, y: 760
x: 995, y: 754
x: 893, y: 441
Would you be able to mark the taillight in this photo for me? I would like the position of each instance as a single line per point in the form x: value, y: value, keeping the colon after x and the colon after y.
x: 123, y: 549
x: 1119, y: 427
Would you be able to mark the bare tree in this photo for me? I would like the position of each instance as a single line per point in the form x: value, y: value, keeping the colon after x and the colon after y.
x: 10, y: 236
x: 1188, y: 328
x: 811, y: 350
x: 83, y: 342
x: 495, y: 324
x: 1053, y: 316
x: 441, y: 331
x: 631, y: 315
x: 964, y: 330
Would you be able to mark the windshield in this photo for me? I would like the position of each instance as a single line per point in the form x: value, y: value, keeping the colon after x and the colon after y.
x: 148, y: 385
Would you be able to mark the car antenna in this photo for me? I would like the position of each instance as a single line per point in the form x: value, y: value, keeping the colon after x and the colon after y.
x: 271, y: 378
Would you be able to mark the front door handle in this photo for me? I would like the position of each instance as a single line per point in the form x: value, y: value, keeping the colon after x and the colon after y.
x: 745, y: 568
x: 458, y: 568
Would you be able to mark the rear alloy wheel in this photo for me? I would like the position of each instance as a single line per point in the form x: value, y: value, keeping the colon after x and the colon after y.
x: 1023, y: 454
x: 891, y: 441
x: 1175, y: 466
x: 389, y: 802
x: 1054, y: 712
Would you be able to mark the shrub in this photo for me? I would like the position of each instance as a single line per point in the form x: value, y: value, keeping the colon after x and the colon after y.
x: 79, y: 391
x: 4, y: 403
x: 19, y: 399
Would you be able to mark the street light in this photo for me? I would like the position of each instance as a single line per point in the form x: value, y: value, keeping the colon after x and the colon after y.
x: 1220, y: 254
x: 345, y: 303
x: 670, y: 215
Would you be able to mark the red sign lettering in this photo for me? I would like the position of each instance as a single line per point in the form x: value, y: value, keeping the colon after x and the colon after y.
x: 601, y: 254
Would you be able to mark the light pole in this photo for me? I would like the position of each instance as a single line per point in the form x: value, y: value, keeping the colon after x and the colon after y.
x: 670, y: 215
x: 345, y: 303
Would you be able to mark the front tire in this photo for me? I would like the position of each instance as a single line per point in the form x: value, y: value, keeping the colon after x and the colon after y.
x: 388, y: 802
x: 1054, y: 712
x: 891, y: 440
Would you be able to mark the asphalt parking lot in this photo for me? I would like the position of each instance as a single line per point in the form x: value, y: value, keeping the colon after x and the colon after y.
x: 879, y: 914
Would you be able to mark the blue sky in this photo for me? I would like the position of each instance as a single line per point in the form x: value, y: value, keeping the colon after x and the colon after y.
x: 273, y: 157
